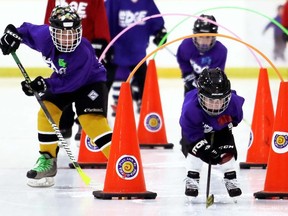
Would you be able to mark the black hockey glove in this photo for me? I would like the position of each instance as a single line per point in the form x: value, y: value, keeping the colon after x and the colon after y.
x: 203, y: 150
x: 99, y: 46
x: 159, y: 36
x: 189, y: 82
x: 37, y: 85
x: 10, y: 41
x: 285, y: 36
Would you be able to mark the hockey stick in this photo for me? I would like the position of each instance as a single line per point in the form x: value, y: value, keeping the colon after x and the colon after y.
x: 170, y: 51
x: 209, y: 198
x: 86, y: 179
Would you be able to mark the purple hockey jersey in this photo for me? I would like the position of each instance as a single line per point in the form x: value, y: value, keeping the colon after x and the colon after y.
x: 71, y: 71
x: 191, y: 61
x: 130, y: 48
x: 194, y: 121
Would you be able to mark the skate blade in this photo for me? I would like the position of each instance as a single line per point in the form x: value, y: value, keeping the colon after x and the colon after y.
x: 43, y: 182
x: 218, y: 200
x: 209, y: 200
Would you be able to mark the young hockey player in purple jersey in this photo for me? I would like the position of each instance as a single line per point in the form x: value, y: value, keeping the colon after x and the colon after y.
x: 193, y: 55
x: 130, y: 48
x: 209, y: 113
x: 96, y: 29
x: 77, y: 77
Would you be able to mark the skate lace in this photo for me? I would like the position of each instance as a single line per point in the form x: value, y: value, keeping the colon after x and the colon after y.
x: 43, y: 164
x: 192, y: 183
x: 231, y: 184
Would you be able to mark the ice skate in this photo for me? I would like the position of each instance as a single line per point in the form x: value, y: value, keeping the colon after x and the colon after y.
x: 192, y: 184
x: 231, y: 184
x: 42, y: 175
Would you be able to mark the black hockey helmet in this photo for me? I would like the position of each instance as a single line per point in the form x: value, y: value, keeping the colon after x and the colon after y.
x: 203, y: 26
x: 203, y: 44
x: 214, y: 91
x: 65, y: 23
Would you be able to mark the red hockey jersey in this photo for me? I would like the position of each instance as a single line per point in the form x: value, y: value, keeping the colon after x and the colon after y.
x: 93, y: 14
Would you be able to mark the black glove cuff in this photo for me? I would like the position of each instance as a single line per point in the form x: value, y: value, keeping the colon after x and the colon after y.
x: 189, y: 77
x: 200, y: 147
x: 12, y: 30
x: 99, y: 46
x: 39, y: 84
x: 159, y: 35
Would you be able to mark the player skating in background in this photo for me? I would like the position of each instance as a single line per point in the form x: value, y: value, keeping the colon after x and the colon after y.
x: 193, y: 55
x: 279, y: 42
x: 130, y: 48
x: 211, y: 108
x: 78, y: 77
x: 96, y: 30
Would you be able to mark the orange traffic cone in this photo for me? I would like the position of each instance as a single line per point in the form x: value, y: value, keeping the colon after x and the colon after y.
x: 124, y: 175
x: 151, y: 126
x: 276, y: 182
x: 89, y: 156
x: 262, y: 125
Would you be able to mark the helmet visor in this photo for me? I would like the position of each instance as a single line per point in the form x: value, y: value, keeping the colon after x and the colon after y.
x: 204, y: 43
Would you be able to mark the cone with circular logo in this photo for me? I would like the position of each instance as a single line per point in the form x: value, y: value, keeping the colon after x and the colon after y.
x: 89, y: 155
x: 124, y: 175
x: 151, y: 125
x: 276, y: 182
x: 262, y: 125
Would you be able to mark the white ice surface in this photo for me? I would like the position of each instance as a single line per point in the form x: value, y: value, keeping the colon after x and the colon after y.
x: 163, y: 168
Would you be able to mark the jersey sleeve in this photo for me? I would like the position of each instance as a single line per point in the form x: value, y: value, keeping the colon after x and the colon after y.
x: 155, y: 24
x: 238, y: 108
x: 285, y: 15
x: 183, y: 59
x: 112, y: 16
x: 49, y: 8
x: 37, y: 37
x: 220, y: 57
x: 191, y: 121
x: 101, y: 26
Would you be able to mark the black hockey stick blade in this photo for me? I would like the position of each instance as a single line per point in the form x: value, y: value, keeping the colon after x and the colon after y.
x: 209, y: 200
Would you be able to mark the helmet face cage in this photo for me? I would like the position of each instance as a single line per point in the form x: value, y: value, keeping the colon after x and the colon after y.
x: 65, y: 28
x: 214, y: 92
x: 214, y: 106
x: 202, y: 26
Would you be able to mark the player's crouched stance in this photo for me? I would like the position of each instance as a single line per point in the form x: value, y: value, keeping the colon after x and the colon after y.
x: 208, y: 115
x: 77, y: 77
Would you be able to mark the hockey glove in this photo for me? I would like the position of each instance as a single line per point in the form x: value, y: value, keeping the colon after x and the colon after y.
x: 285, y: 36
x: 10, y: 41
x: 203, y: 150
x: 159, y: 36
x: 99, y: 46
x: 189, y: 82
x: 37, y: 85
